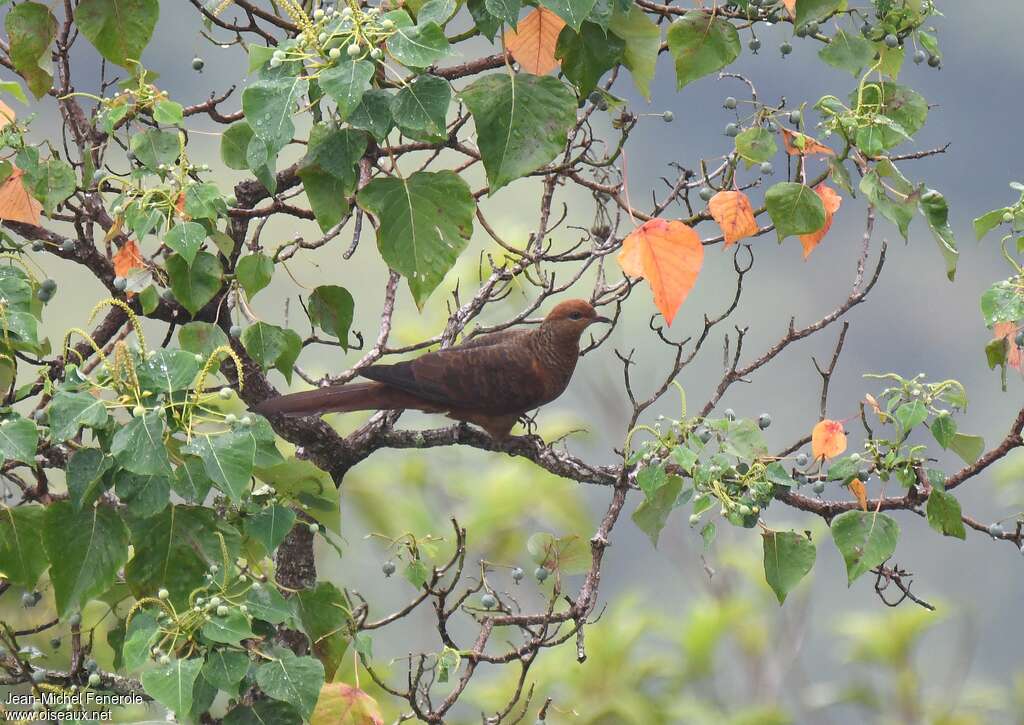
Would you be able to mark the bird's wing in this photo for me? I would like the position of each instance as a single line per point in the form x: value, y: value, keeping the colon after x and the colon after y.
x: 494, y: 379
x: 501, y: 337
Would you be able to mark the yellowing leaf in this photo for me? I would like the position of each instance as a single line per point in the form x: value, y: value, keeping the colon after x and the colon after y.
x: 732, y: 211
x: 1007, y: 331
x: 828, y: 439
x: 800, y: 144
x: 870, y: 400
x: 7, y: 115
x: 791, y: 7
x: 533, y: 41
x: 861, y: 492
x: 669, y: 255
x: 16, y: 205
x: 341, y: 704
x: 831, y: 201
x: 127, y: 258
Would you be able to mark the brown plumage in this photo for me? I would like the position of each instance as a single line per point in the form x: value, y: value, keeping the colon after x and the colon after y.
x: 491, y: 380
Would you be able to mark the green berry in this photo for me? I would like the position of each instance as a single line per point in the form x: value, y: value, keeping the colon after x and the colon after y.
x: 230, y: 419
x: 388, y: 568
x: 729, y: 414
x: 138, y: 411
x: 44, y: 296
x: 1018, y: 339
x: 353, y: 50
x: 995, y: 530
x: 920, y: 57
x: 163, y: 594
x: 785, y: 48
x: 668, y: 117
x: 222, y: 610
x: 94, y: 679
x: 754, y: 45
x: 75, y: 619
x: 704, y: 434
x: 225, y: 393
x: 120, y: 283
x: 38, y: 246
x: 891, y: 40
x: 541, y: 573
x: 694, y: 519
x: 49, y: 285
x: 245, y: 421
x: 795, y: 117
x: 729, y: 103
x: 706, y: 192
x: 28, y: 600
x: 855, y: 457
x: 314, y: 528
x: 934, y: 61
x: 801, y: 31
x: 488, y: 601
x: 235, y: 331
x: 819, y: 487
x: 767, y: 169
x: 198, y: 63
x: 866, y: 29
x: 55, y: 642
x: 165, y: 659
x: 801, y: 459
x: 517, y: 574
x: 67, y: 246
x: 376, y: 53
x: 595, y: 97
x: 732, y: 130
x: 91, y: 665
x: 812, y: 28
x: 334, y: 53
x: 764, y: 420
x: 38, y: 676
x: 1007, y: 217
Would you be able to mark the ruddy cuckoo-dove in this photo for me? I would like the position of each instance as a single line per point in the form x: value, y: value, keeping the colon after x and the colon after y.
x: 490, y: 381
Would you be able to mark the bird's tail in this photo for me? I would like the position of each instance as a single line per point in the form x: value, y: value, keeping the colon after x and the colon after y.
x: 339, y: 398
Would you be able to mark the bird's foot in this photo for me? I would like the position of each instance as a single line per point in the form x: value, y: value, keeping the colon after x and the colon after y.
x: 530, y: 423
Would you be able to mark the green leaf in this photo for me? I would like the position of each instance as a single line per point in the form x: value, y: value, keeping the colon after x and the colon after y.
x: 701, y: 43
x: 171, y: 684
x: 268, y: 105
x: 441, y: 11
x: 756, y: 145
x: 168, y: 113
x: 643, y: 40
x: 197, y: 283
x: 905, y: 107
x: 190, y: 480
x: 263, y: 712
x: 234, y: 143
x: 326, y: 194
x: 292, y: 679
x: 944, y: 429
x: 504, y: 10
x: 899, y: 212
x: 14, y: 89
x: 254, y: 272
x: 652, y: 513
x: 140, y: 637
x: 323, y: 612
x: 267, y: 604
x: 224, y: 669
x: 794, y: 209
x: 139, y: 445
x: 421, y: 107
x: 165, y: 371
x: 186, y: 239
x: 566, y: 554
x: 426, y: 220
x: 144, y: 496
x: 968, y: 447
x: 331, y: 308
x: 119, y: 29
x: 232, y: 628
x: 51, y: 183
x: 865, y: 539
x: 270, y: 525
x: 22, y: 557
x: 988, y: 221
x: 808, y: 10
x: 911, y: 415
x: 203, y: 201
x: 174, y: 550
x: 307, y: 485
x: 346, y: 83
x: 936, y: 213
x: 588, y: 55
x: 788, y: 557
x: 19, y: 439
x: 943, y: 511
x: 31, y: 29
x: 418, y: 46
x: 272, y: 346
x: 336, y: 151
x: 374, y: 114
x: 86, y: 548
x: 155, y: 147
x: 228, y: 459
x: 70, y: 411
x: 85, y: 476
x: 1003, y: 302
x: 522, y: 122
x: 849, y: 52
x: 201, y: 338
x: 486, y: 22
x: 573, y: 12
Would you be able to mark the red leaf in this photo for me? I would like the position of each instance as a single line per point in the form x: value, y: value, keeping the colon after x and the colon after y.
x: 732, y: 211
x: 533, y: 41
x: 831, y: 201
x: 669, y: 255
x: 828, y: 439
x: 128, y: 258
x: 16, y: 204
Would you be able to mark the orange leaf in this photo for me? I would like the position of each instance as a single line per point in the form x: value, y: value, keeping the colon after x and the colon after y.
x: 800, y: 144
x: 179, y: 206
x: 861, y: 492
x: 127, y: 258
x: 1007, y: 331
x: 732, y: 211
x: 341, y: 704
x: 828, y: 439
x: 669, y: 255
x: 533, y: 41
x: 791, y: 7
x: 16, y: 204
x: 7, y: 115
x: 831, y: 201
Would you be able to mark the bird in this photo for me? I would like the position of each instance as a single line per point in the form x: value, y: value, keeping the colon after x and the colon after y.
x: 491, y: 380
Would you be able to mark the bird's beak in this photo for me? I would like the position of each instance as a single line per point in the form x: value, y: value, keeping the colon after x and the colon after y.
x: 600, y: 319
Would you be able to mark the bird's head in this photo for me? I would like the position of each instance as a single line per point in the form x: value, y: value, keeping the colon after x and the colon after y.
x: 571, y: 318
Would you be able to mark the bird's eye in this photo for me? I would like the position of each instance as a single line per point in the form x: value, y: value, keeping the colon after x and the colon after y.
x: 575, y: 315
